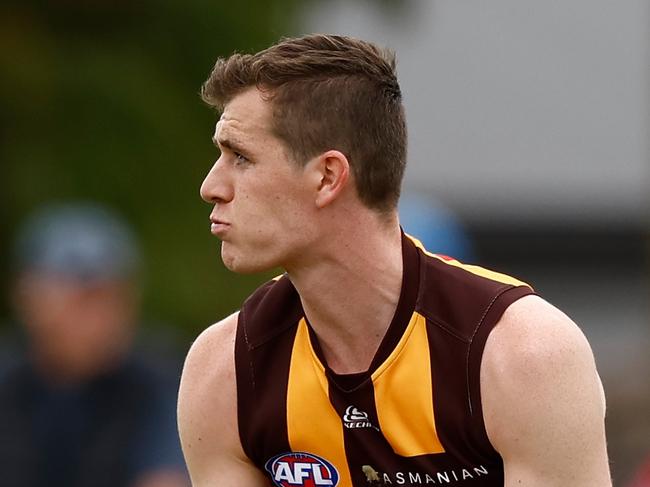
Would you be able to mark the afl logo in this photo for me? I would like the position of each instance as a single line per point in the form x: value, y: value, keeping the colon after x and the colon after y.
x: 303, y: 469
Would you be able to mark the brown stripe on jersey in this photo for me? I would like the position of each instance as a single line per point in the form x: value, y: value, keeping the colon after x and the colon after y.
x: 477, y: 345
x: 313, y: 424
x: 472, y: 269
x: 262, y: 360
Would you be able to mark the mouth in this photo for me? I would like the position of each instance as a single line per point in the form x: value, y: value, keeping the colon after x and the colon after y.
x: 218, y: 227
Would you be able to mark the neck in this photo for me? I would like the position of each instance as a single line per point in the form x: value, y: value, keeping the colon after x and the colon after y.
x: 351, y: 290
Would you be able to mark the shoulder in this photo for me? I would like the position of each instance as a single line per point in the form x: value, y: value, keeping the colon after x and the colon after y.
x: 463, y: 298
x: 453, y: 277
x: 211, y: 346
x: 207, y: 411
x: 535, y: 348
x: 534, y: 338
x: 207, y: 399
x: 209, y: 367
x: 542, y: 399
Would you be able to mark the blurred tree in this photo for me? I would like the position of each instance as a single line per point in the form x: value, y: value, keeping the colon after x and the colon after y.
x: 98, y: 101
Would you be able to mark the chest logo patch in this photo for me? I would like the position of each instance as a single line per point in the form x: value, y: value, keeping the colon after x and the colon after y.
x: 355, y: 418
x: 301, y: 469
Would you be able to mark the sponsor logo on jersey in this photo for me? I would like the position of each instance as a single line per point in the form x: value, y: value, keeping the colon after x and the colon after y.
x: 355, y: 418
x: 410, y: 479
x: 301, y: 469
x: 371, y: 474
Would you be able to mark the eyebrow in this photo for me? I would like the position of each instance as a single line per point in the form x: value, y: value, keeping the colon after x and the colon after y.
x: 228, y: 144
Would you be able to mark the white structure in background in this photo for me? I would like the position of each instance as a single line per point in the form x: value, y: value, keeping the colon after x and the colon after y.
x: 519, y: 110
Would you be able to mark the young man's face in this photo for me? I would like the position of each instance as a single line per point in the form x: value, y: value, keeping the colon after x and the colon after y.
x: 263, y: 202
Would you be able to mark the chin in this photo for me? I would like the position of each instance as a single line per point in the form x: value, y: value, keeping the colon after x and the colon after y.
x: 243, y: 268
x: 242, y: 264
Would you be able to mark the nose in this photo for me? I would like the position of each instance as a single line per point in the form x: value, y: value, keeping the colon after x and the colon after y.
x: 216, y: 187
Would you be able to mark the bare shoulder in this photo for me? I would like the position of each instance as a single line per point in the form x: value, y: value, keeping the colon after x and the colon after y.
x: 207, y: 411
x: 207, y: 394
x: 211, y: 356
x: 532, y: 337
x: 542, y: 398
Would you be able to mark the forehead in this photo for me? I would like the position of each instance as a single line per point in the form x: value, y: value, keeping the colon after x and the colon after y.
x: 246, y: 115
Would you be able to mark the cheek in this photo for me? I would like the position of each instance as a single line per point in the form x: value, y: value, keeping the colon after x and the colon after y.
x: 275, y: 209
x: 288, y: 215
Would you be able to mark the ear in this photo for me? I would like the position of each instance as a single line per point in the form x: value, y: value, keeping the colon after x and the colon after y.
x: 333, y: 172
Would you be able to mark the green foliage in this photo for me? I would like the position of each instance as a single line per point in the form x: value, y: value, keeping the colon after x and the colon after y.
x: 98, y: 101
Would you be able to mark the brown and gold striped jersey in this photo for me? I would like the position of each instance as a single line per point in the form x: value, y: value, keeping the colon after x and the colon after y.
x: 414, y: 418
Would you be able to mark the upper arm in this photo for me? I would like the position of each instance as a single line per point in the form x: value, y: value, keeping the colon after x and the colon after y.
x: 207, y: 412
x: 542, y: 399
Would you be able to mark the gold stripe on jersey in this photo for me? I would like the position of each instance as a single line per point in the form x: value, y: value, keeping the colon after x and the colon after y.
x: 404, y: 394
x: 474, y: 269
x: 312, y: 422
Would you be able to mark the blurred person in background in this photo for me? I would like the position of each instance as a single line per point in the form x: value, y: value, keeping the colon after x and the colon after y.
x: 78, y: 408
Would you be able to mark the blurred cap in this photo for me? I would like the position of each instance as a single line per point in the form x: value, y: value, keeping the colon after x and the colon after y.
x: 82, y: 241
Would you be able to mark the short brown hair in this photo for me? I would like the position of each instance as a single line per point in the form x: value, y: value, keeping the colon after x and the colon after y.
x: 328, y: 92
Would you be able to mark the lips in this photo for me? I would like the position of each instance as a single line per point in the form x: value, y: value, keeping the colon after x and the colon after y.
x: 218, y: 227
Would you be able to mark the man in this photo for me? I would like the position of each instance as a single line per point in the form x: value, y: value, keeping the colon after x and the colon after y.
x: 371, y: 361
x: 78, y: 408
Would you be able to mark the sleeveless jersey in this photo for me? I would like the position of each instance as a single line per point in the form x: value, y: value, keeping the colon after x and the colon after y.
x: 414, y: 418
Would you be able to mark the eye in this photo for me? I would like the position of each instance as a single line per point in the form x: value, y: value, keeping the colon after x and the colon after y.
x: 240, y: 159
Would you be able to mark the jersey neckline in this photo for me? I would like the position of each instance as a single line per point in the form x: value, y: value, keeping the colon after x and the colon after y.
x: 396, y: 328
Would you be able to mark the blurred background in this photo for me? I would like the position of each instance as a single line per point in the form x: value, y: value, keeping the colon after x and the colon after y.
x: 529, y: 127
